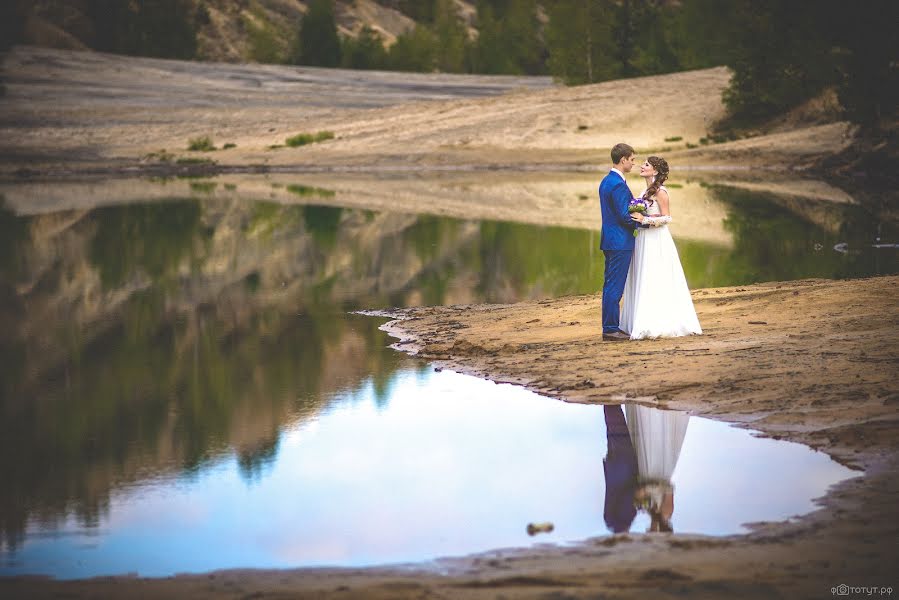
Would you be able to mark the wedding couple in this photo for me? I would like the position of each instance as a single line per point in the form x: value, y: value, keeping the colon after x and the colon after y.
x: 643, y: 446
x: 641, y: 260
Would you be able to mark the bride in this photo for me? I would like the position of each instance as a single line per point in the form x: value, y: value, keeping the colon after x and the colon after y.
x: 657, y: 301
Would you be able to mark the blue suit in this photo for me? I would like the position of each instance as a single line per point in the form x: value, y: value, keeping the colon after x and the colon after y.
x: 620, y: 469
x: 617, y: 244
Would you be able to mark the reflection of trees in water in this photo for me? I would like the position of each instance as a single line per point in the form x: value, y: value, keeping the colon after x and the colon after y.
x: 150, y: 237
x: 253, y: 461
x: 189, y: 366
x: 168, y: 390
x: 173, y: 400
x: 14, y: 233
x: 322, y: 222
x: 508, y: 261
x: 774, y: 243
x: 537, y: 261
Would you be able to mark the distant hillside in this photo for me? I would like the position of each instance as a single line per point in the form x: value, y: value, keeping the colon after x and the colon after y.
x: 227, y: 30
x: 782, y: 56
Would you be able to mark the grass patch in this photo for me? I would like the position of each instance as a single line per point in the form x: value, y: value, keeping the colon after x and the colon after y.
x: 201, y: 144
x: 720, y: 138
x: 673, y: 185
x: 229, y: 145
x: 583, y: 127
x: 275, y: 146
x: 230, y: 186
x: 306, y: 191
x: 303, y: 139
x: 195, y: 161
x: 674, y: 139
x: 203, y: 187
x: 689, y: 145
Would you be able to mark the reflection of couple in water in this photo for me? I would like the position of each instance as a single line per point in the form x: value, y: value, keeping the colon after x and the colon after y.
x: 643, y: 447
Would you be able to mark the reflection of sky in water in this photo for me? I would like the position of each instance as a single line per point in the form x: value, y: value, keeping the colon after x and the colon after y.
x: 449, y: 465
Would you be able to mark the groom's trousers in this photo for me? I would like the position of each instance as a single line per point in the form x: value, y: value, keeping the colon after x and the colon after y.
x: 617, y: 264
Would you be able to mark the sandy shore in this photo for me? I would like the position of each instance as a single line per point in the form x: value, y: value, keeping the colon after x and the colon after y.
x: 808, y: 361
x: 69, y: 114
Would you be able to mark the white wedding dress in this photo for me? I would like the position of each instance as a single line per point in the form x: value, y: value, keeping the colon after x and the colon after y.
x: 657, y: 436
x: 656, y: 300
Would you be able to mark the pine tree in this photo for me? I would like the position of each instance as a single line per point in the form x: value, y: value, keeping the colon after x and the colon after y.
x: 489, y: 54
x: 451, y: 36
x: 366, y: 51
x: 579, y: 41
x: 12, y: 23
x: 522, y: 37
x: 414, y: 50
x: 319, y: 44
x: 163, y: 28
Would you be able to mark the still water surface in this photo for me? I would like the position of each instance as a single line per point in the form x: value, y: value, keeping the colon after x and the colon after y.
x: 183, y: 390
x: 448, y: 465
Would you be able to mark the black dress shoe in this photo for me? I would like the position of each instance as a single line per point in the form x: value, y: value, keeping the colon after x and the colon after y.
x: 616, y: 336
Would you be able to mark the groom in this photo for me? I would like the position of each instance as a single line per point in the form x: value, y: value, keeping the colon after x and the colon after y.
x: 616, y: 239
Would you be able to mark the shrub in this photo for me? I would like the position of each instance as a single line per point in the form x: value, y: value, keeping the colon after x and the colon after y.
x: 201, y: 144
x: 302, y: 139
x: 674, y: 139
x: 203, y: 187
x: 305, y: 191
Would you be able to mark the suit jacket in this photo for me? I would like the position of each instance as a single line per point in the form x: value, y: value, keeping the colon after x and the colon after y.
x: 617, y: 225
x: 621, y: 471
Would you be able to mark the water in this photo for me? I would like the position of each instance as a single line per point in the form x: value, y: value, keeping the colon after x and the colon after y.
x: 183, y: 389
x: 448, y: 465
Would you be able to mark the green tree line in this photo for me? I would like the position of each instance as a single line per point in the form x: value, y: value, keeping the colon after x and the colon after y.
x: 781, y: 52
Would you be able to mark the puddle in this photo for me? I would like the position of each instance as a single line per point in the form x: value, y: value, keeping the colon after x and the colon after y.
x: 444, y: 464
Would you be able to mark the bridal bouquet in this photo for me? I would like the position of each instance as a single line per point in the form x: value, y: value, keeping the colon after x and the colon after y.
x: 637, y: 205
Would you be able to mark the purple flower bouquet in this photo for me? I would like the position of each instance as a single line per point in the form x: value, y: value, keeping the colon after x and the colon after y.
x: 637, y: 205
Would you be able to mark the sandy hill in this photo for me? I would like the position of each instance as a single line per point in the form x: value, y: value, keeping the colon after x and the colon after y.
x: 65, y: 108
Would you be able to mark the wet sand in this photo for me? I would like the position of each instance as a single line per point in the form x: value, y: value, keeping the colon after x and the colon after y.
x: 809, y: 361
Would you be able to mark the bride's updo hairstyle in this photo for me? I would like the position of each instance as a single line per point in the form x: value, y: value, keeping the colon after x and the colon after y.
x: 661, y: 166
